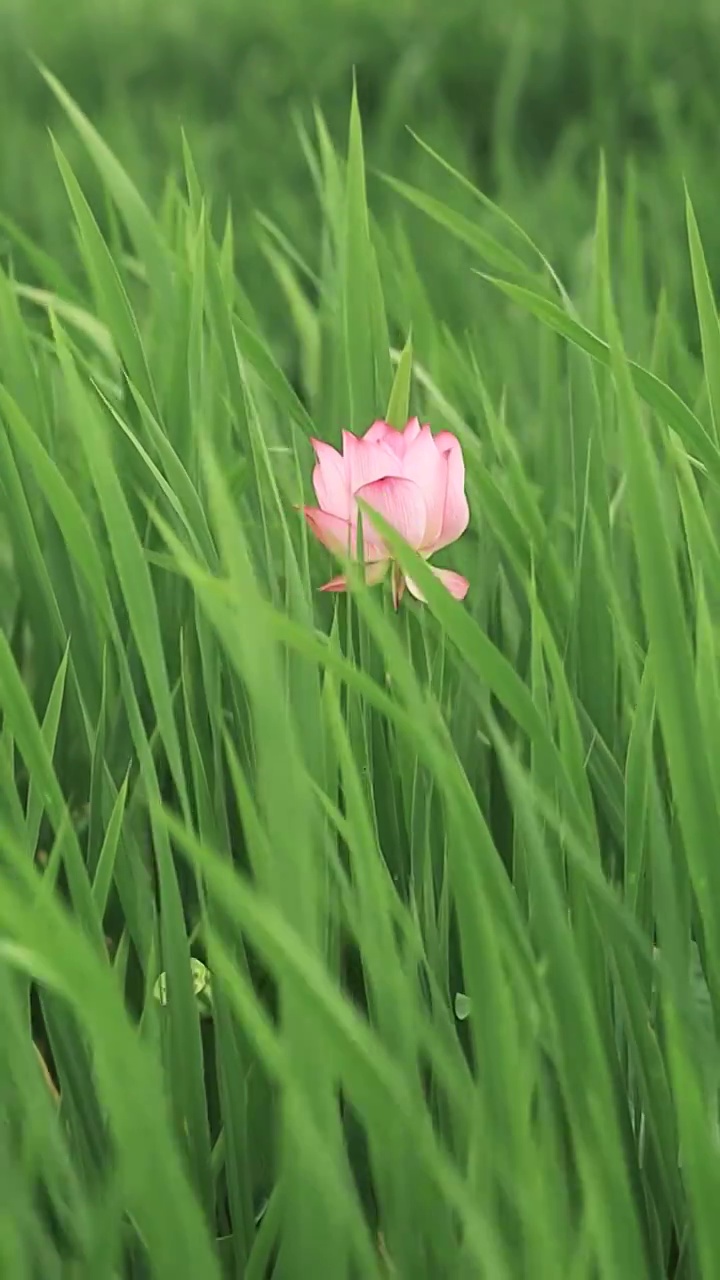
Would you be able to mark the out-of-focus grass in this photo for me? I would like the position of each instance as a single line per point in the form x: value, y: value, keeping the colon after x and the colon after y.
x: 521, y: 99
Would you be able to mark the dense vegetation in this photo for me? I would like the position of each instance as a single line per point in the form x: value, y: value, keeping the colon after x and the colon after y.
x: 521, y: 98
x: 337, y: 940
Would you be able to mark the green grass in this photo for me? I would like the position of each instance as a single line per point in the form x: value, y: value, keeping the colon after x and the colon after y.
x: 521, y: 100
x: 450, y: 874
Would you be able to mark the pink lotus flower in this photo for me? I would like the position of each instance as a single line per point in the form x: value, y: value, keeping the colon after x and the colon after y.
x: 413, y: 479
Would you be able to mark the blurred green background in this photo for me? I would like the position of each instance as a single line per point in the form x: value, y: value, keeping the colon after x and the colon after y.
x: 521, y: 97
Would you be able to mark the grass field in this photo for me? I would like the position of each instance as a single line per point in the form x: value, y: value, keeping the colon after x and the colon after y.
x: 338, y: 940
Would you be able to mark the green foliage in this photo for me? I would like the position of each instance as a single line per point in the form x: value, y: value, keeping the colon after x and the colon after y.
x: 520, y: 97
x: 333, y: 940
